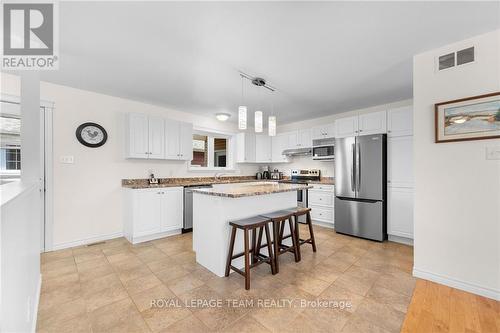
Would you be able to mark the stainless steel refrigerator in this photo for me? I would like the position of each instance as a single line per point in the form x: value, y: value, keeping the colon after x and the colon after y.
x: 360, y: 186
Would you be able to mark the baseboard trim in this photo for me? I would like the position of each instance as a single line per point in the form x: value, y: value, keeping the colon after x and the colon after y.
x: 323, y: 224
x: 458, y: 284
x: 37, y: 302
x: 147, y: 238
x: 85, y: 241
x: 401, y: 240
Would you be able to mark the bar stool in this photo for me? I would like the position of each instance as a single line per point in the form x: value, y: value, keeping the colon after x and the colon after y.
x: 250, y: 224
x: 300, y: 211
x: 279, y: 219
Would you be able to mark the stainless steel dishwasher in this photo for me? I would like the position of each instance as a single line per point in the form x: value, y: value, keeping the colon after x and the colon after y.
x: 188, y: 206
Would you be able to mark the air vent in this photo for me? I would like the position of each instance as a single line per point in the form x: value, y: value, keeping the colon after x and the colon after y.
x: 457, y: 58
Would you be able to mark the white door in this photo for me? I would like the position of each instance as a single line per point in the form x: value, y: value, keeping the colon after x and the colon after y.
x: 346, y: 127
x: 400, y: 161
x: 156, y: 137
x: 279, y: 143
x: 304, y: 138
x: 171, y: 209
x: 400, y: 121
x: 262, y: 148
x: 186, y: 141
x: 373, y: 123
x: 318, y: 132
x: 400, y: 212
x: 329, y: 131
x: 149, y: 205
x: 172, y: 136
x: 138, y: 129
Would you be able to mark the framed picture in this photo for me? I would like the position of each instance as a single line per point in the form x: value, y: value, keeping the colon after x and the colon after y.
x: 472, y: 118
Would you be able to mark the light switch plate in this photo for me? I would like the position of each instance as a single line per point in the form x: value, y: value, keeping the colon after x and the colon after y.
x: 69, y: 159
x: 493, y: 153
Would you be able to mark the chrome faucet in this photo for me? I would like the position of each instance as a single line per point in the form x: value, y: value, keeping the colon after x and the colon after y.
x: 218, y: 176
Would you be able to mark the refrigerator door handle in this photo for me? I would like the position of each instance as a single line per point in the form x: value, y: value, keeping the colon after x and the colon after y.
x: 358, y: 167
x: 353, y: 154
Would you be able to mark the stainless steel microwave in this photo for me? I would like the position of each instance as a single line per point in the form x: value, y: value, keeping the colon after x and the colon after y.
x: 323, y: 149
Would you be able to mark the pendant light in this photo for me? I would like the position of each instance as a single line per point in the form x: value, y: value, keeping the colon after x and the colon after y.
x: 258, y: 122
x: 272, y: 121
x: 242, y: 111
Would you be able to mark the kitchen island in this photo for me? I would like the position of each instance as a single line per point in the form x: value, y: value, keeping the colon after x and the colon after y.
x: 214, y: 208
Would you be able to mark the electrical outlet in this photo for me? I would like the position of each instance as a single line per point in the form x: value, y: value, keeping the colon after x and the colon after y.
x: 493, y: 153
x: 68, y: 159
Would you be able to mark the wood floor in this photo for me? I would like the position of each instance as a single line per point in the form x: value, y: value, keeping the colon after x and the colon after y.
x: 438, y: 308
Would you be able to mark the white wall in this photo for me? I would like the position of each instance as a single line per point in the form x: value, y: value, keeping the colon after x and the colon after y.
x: 326, y: 167
x: 457, y: 193
x: 88, y: 193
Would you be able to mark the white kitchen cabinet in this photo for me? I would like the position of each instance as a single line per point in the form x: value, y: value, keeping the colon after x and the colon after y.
x: 156, y: 137
x: 245, y: 147
x: 299, y: 139
x: 321, y: 201
x: 346, y: 127
x: 263, y: 148
x: 145, y: 136
x: 279, y: 143
x: 400, y: 161
x: 178, y: 140
x: 323, y: 131
x: 400, y: 212
x: 372, y: 123
x: 153, y: 213
x: 400, y: 121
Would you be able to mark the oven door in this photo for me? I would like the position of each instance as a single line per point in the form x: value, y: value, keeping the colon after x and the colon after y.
x: 302, y: 202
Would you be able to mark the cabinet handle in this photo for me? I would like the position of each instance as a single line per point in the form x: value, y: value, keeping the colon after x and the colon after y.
x: 361, y: 130
x: 389, y: 131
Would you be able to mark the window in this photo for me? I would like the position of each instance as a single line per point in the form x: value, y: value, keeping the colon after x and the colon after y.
x: 10, y: 143
x: 211, y: 151
x: 10, y: 159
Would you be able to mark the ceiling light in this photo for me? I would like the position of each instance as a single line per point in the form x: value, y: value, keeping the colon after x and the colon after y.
x: 272, y: 125
x: 258, y: 121
x: 222, y: 116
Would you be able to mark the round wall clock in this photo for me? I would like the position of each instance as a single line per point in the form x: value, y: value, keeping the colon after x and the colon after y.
x: 91, y: 135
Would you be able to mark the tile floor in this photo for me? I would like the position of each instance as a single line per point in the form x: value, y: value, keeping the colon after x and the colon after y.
x: 110, y: 287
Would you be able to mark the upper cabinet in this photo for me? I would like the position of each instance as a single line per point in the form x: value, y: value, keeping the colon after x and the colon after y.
x: 299, y: 139
x: 178, y: 140
x: 400, y: 121
x: 278, y: 144
x: 263, y: 148
x: 373, y: 123
x: 158, y: 138
x: 323, y: 132
x: 145, y: 136
x: 245, y: 148
x: 346, y: 127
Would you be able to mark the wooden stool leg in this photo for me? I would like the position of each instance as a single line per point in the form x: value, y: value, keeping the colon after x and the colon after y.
x: 276, y: 247
x: 247, y: 260
x: 231, y: 248
x: 297, y: 235
x: 311, y: 232
x: 270, y: 250
x: 282, y: 231
x: 259, y: 242
x: 294, y: 242
x: 254, y: 246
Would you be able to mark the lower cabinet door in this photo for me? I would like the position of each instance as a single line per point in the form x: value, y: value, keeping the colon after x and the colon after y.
x: 400, y: 212
x: 322, y: 214
x: 148, y: 213
x: 172, y: 208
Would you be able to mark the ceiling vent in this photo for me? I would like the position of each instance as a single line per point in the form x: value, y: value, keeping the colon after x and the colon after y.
x: 457, y: 58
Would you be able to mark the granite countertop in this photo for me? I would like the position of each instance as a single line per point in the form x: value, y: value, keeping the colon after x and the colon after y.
x: 247, y: 190
x: 324, y: 181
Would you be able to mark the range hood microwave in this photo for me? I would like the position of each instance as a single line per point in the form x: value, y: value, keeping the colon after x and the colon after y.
x: 323, y: 149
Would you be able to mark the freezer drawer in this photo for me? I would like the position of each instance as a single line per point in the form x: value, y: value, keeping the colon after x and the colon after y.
x: 360, y: 218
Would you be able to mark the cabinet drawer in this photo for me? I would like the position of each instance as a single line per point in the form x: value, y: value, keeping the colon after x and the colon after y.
x: 322, y: 187
x: 322, y: 198
x: 322, y: 214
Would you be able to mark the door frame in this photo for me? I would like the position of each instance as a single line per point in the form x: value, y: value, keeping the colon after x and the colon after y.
x: 46, y: 164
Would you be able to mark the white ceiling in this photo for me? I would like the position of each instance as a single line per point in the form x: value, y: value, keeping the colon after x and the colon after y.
x: 323, y: 57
